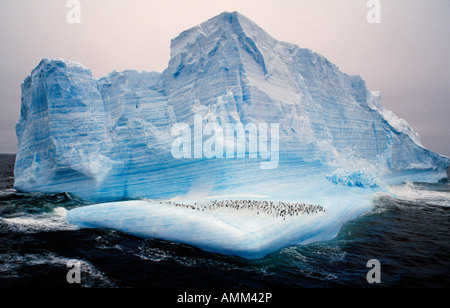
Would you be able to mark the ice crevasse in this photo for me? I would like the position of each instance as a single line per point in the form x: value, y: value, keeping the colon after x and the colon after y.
x: 109, y: 141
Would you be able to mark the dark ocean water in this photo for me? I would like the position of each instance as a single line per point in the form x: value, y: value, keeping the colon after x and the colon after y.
x: 409, y: 236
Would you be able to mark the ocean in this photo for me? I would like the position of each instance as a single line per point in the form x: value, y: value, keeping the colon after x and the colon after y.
x: 408, y: 235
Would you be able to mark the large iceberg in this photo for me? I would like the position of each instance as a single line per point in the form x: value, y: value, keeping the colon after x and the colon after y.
x: 112, y: 139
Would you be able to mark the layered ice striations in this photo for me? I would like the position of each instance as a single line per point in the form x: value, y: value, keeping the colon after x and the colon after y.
x: 109, y: 139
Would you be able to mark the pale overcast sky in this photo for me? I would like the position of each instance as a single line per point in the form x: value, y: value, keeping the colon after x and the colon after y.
x: 406, y: 57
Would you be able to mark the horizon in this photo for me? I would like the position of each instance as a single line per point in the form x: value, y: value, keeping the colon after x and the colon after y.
x: 413, y: 84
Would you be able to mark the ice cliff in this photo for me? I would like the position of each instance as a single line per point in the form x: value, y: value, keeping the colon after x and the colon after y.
x: 110, y: 139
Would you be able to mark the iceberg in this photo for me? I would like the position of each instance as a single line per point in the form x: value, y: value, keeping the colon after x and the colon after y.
x: 110, y: 140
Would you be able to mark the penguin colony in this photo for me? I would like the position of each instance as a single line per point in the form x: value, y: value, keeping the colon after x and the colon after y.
x: 276, y: 209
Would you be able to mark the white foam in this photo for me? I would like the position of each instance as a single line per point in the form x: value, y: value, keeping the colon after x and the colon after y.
x: 7, y: 192
x: 412, y: 192
x: 60, y: 212
x: 53, y: 221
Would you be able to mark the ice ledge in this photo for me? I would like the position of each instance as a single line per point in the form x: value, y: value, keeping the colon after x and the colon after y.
x: 226, y: 232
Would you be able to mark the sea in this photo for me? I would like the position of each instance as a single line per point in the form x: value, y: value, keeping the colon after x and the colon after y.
x: 407, y: 236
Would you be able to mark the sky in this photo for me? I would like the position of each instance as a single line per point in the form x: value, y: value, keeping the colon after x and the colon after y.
x: 406, y: 56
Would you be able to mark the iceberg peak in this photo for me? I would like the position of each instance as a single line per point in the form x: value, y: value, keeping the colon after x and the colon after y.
x: 228, y: 33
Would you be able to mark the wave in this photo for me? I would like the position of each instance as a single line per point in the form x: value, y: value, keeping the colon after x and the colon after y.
x: 34, y: 223
x: 430, y: 194
x: 13, y: 265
